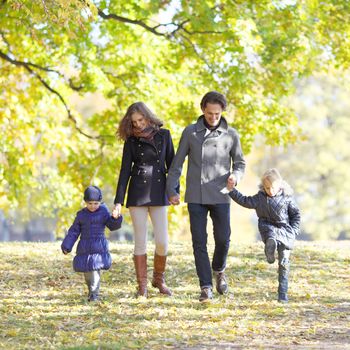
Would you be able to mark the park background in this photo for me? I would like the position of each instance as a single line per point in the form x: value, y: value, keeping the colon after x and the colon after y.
x: 69, y: 69
x: 68, y: 72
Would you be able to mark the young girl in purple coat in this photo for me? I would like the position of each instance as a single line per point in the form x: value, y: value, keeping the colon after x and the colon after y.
x: 279, y: 220
x: 92, y: 250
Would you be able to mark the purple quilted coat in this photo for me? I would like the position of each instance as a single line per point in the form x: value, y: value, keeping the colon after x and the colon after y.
x: 92, y: 250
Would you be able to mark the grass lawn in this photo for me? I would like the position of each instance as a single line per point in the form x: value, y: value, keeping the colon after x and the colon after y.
x: 43, y: 302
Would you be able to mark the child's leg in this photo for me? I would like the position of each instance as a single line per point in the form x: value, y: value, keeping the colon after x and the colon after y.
x: 283, y: 272
x: 92, y: 279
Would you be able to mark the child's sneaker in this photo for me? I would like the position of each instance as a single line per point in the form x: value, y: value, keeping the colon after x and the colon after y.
x: 270, y: 249
x: 283, y: 298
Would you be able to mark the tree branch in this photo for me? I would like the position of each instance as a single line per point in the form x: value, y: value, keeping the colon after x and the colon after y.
x: 131, y: 21
x: 48, y: 87
x: 198, y: 53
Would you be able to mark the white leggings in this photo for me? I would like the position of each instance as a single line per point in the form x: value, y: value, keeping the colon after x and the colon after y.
x: 159, y: 220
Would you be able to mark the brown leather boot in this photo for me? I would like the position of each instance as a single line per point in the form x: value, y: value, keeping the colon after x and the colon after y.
x: 158, y: 280
x: 140, y: 262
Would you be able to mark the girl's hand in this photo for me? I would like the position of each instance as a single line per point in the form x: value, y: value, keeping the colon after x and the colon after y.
x: 116, y: 212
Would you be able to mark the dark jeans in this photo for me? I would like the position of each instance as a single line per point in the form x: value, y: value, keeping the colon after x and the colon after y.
x: 220, y: 216
x: 283, y: 267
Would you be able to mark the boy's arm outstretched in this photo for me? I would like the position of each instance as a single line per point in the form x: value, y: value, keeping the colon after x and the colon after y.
x: 250, y: 202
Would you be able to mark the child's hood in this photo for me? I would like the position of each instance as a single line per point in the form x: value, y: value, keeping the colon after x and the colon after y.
x: 285, y: 187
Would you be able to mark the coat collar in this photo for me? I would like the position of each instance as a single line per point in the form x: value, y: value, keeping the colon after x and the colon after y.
x: 223, y: 127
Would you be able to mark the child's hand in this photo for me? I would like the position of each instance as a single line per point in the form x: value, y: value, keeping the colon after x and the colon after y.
x: 231, y: 182
x: 64, y: 252
x: 116, y: 212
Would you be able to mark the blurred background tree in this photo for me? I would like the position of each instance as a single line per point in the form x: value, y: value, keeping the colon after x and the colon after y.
x: 59, y: 56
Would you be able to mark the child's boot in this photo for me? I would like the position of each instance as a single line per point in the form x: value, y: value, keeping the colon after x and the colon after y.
x: 283, y: 273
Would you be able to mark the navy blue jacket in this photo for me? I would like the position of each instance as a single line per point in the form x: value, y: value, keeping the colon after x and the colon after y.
x: 279, y: 216
x: 144, y: 168
x: 92, y: 250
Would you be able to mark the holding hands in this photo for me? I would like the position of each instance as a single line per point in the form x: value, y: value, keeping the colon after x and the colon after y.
x: 231, y: 182
x: 116, y: 212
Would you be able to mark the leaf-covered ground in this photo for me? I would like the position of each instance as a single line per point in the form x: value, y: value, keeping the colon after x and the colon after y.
x: 43, y: 302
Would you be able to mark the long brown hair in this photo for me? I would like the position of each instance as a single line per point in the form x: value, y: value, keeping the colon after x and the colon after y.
x: 125, y: 128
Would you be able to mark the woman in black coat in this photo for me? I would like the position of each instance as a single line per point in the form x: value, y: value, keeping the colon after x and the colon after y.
x: 147, y: 155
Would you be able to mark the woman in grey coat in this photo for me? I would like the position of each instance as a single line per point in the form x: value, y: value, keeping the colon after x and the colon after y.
x: 279, y: 220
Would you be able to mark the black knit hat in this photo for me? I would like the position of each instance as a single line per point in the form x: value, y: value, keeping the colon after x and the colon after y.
x: 92, y: 193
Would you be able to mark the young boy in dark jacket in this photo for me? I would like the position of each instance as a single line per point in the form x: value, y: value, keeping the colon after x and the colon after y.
x: 279, y: 220
x: 92, y: 250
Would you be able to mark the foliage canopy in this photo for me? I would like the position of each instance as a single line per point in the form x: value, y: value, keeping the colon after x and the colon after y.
x: 166, y: 53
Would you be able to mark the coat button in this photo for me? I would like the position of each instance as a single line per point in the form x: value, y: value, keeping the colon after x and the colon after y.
x: 158, y: 180
x: 141, y: 154
x: 158, y: 161
x: 158, y: 171
x: 139, y: 145
x: 144, y: 181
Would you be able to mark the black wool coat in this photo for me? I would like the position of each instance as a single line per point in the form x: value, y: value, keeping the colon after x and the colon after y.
x: 143, y: 170
x: 279, y: 216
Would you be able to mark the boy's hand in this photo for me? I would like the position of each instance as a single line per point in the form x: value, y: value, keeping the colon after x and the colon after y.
x: 116, y: 212
x: 231, y: 182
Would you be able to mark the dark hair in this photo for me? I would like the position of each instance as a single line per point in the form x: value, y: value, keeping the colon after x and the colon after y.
x: 125, y: 127
x: 214, y: 97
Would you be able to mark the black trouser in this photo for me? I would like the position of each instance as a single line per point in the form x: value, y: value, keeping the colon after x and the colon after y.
x: 220, y: 216
x: 283, y: 267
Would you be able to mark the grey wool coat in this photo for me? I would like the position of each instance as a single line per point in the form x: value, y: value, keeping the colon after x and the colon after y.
x: 279, y: 216
x: 211, y: 159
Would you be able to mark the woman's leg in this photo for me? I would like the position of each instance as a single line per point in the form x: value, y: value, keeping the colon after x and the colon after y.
x: 159, y: 220
x: 139, y: 222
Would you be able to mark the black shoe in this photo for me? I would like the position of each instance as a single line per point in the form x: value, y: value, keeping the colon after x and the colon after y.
x: 283, y: 298
x: 221, y: 283
x: 93, y: 297
x: 206, y: 295
x: 270, y: 249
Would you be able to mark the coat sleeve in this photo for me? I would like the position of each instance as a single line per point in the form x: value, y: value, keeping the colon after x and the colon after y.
x: 125, y: 172
x: 250, y: 202
x: 72, y: 235
x: 294, y: 216
x: 238, y: 162
x: 176, y: 165
x: 114, y: 224
x: 169, y: 156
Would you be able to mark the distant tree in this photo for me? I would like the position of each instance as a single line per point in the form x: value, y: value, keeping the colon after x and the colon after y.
x: 318, y: 166
x: 166, y: 53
